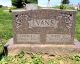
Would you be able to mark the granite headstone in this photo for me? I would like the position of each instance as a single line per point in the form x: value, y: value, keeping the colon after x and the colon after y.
x: 43, y: 26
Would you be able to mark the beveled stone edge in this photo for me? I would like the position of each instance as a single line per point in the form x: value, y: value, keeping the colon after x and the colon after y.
x: 66, y: 10
x: 42, y: 49
x: 10, y: 43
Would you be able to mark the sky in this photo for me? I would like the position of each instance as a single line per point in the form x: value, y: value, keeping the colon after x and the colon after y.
x: 5, y: 2
x: 42, y: 3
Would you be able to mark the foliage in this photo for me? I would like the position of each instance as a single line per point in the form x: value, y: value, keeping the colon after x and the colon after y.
x: 52, y: 62
x: 21, y: 3
x: 62, y: 6
x: 1, y: 48
x: 65, y: 2
x: 31, y: 1
x: 75, y: 57
x: 20, y: 55
x: 21, y: 59
x: 65, y: 6
x: 12, y: 8
x: 5, y: 25
x: 77, y: 29
x: 5, y: 28
x: 17, y: 3
x: 0, y: 6
x: 38, y: 59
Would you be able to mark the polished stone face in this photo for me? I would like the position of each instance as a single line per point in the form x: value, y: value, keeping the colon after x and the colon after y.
x: 44, y: 26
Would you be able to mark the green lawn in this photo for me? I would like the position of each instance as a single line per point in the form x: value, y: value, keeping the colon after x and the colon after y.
x: 77, y: 29
x: 5, y: 24
x: 22, y: 58
x: 5, y: 27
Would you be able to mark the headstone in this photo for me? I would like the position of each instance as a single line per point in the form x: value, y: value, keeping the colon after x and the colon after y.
x: 31, y: 7
x: 44, y: 26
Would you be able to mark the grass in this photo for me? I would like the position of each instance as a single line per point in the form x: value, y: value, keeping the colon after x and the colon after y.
x: 22, y: 58
x: 64, y: 6
x: 5, y: 27
x: 77, y: 29
x: 5, y: 24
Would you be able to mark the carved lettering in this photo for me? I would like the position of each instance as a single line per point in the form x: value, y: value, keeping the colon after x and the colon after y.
x: 58, y: 38
x: 28, y: 37
x: 43, y: 23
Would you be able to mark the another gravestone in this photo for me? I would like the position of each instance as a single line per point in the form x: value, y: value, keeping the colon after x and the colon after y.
x: 44, y: 26
x: 31, y: 7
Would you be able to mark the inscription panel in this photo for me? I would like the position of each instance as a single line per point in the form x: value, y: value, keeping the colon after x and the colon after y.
x: 58, y: 38
x: 28, y: 37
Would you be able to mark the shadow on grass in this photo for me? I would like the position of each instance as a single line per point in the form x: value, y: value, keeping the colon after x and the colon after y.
x: 4, y: 53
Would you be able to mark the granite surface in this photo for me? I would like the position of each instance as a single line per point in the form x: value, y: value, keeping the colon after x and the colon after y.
x: 43, y: 26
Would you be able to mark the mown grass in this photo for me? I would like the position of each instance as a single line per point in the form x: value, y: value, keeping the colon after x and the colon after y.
x: 22, y: 58
x: 77, y: 28
x: 5, y: 24
x: 5, y: 27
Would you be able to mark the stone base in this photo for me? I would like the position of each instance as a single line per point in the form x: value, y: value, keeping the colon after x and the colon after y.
x: 43, y: 49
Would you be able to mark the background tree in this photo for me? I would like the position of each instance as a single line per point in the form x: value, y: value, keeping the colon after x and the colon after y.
x: 65, y: 2
x: 1, y: 6
x: 20, y: 3
x: 17, y: 3
x: 32, y: 1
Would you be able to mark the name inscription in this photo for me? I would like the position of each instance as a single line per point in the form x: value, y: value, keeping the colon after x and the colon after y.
x: 43, y: 23
x: 58, y: 38
x: 28, y: 37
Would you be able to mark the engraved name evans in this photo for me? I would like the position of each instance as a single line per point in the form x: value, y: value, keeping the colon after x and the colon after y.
x: 43, y: 23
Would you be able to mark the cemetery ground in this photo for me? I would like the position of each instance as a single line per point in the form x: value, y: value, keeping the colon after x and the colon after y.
x: 23, y: 58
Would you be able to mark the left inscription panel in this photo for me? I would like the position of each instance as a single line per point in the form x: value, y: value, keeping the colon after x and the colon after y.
x: 28, y: 37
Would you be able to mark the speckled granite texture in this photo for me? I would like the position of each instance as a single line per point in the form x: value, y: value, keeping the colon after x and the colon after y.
x: 44, y: 26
